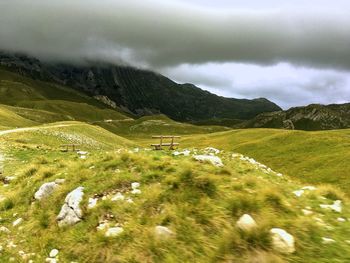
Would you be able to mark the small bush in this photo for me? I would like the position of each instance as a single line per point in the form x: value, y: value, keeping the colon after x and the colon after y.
x: 31, y: 171
x: 7, y: 204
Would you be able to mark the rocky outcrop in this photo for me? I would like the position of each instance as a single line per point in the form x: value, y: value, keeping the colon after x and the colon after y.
x: 71, y: 212
x: 312, y: 117
x: 282, y: 241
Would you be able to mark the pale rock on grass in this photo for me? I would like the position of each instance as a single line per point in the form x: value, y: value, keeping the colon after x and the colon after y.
x: 282, y: 241
x: 298, y: 193
x: 246, y: 223
x: 336, y: 206
x: 53, y: 253
x: 118, y: 197
x: 17, y: 222
x: 212, y: 150
x: 71, y: 213
x: 163, y: 232
x: 45, y: 190
x: 135, y: 185
x: 326, y: 240
x: 92, y: 203
x: 114, y: 231
x: 307, y: 212
x: 184, y: 153
x: 214, y: 160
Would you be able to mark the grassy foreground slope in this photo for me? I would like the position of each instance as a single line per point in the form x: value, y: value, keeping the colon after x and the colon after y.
x: 198, y: 202
x: 314, y: 157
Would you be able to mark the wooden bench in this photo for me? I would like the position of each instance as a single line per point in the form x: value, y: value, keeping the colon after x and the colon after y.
x: 171, y: 144
x: 66, y: 147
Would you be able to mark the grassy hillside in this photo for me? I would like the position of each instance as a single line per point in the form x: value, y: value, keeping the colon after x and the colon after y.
x: 154, y: 125
x: 314, y: 157
x: 64, y: 102
x: 9, y: 118
x: 198, y: 202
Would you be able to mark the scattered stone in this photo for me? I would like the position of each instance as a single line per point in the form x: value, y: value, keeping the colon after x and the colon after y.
x: 212, y: 150
x: 129, y: 200
x: 336, y: 206
x: 282, y: 241
x: 45, y: 190
x: 136, y: 191
x: 118, y: 197
x: 102, y: 226
x: 92, y: 203
x: 298, y: 193
x: 17, y: 222
x: 340, y: 219
x: 60, y: 181
x: 53, y: 253
x: 51, y: 260
x: 279, y: 175
x: 307, y: 212
x: 4, y: 229
x: 326, y: 240
x: 208, y: 158
x: 135, y: 185
x: 184, y: 153
x: 71, y: 213
x: 114, y: 231
x: 246, y: 223
x: 163, y: 232
x: 309, y: 188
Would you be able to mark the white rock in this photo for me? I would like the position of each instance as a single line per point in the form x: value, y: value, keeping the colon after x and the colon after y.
x: 340, y: 219
x: 45, y: 190
x: 184, y: 153
x: 17, y: 222
x: 103, y: 226
x: 279, y: 175
x: 71, y: 213
x: 53, y: 253
x: 51, y: 260
x: 298, y: 193
x: 114, y: 231
x: 118, y: 197
x: 163, y: 232
x: 136, y: 192
x: 246, y: 223
x: 83, y: 157
x: 208, y: 158
x: 136, y: 150
x: 326, y: 240
x: 336, y: 206
x: 60, y: 181
x: 212, y: 150
x: 282, y: 241
x: 4, y: 229
x: 135, y: 185
x: 307, y: 212
x: 92, y: 202
x: 309, y: 188
x: 82, y: 153
x: 129, y: 200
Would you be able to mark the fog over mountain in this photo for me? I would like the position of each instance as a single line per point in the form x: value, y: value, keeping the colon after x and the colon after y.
x: 292, y: 54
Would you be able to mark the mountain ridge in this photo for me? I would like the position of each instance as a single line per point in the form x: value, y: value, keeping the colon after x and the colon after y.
x: 140, y: 92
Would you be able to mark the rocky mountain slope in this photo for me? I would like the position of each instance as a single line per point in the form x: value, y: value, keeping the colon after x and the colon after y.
x: 312, y: 117
x: 138, y: 91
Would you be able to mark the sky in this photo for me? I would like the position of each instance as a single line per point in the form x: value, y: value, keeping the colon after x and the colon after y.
x: 294, y: 53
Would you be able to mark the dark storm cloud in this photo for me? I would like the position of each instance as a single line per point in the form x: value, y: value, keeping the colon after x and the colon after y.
x: 161, y: 33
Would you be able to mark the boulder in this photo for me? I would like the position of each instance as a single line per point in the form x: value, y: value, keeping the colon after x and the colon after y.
x: 17, y: 222
x: 53, y: 253
x: 246, y: 223
x: 92, y: 203
x: 163, y: 232
x: 282, y: 241
x: 135, y: 185
x: 336, y: 206
x: 71, y: 213
x: 45, y: 190
x: 209, y: 158
x: 114, y: 231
